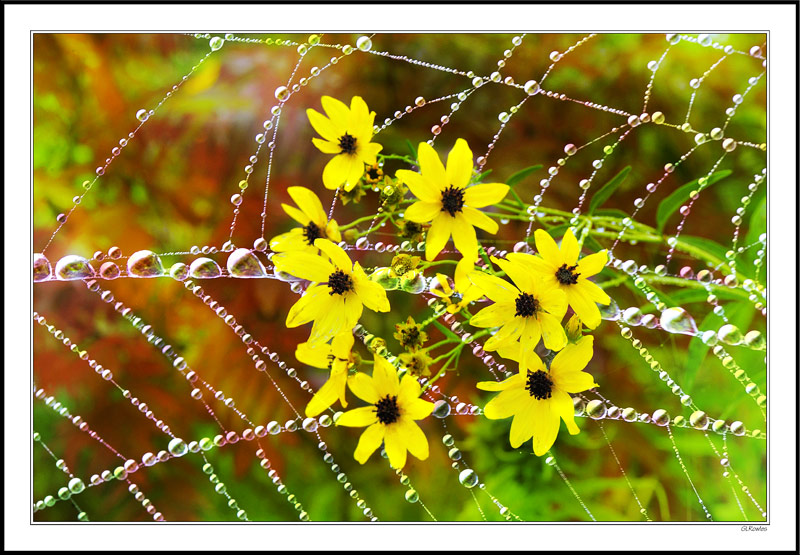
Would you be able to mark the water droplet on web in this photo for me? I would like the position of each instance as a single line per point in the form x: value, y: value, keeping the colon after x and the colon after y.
x: 244, y: 264
x: 364, y: 44
x: 632, y: 316
x: 73, y: 267
x: 204, y: 268
x: 412, y: 496
x: 441, y: 409
x: 730, y: 334
x: 109, y: 270
x: 282, y: 93
x: 216, y: 43
x: 177, y: 447
x: 145, y: 264
x: 677, y: 320
x: 610, y: 311
x: 142, y: 115
x: 41, y: 267
x: 468, y: 478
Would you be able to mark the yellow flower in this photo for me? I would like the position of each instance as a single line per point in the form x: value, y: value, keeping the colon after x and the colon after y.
x: 409, y: 230
x: 403, y: 264
x: 394, y: 405
x: 340, y: 290
x: 528, y: 312
x: 337, y: 358
x: 410, y: 335
x: 447, y: 202
x: 538, y: 399
x: 417, y: 363
x: 309, y: 214
x: 373, y: 175
x: 561, y: 268
x: 464, y: 287
x: 347, y: 133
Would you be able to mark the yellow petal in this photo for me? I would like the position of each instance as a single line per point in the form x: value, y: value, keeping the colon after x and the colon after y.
x: 327, y: 147
x: 511, y: 351
x: 552, y: 299
x: 459, y: 165
x: 409, y: 389
x: 325, y: 127
x: 297, y: 215
x: 417, y: 409
x: 437, y: 236
x: 309, y: 203
x: 315, y: 355
x: 500, y: 291
x: 520, y: 275
x: 291, y: 241
x: 431, y: 167
x: 464, y: 236
x: 531, y: 361
x: 592, y: 264
x: 368, y: 152
x: 507, y: 403
x: 592, y: 291
x: 363, y: 387
x: 369, y: 441
x: 535, y: 264
x: 481, y: 220
x: 335, y: 253
x: 545, y: 426
x: 413, y: 437
x: 584, y: 307
x: 573, y: 358
x: 395, y: 446
x: 357, y: 169
x: 516, y: 379
x: 493, y: 315
x: 569, y: 248
x: 353, y: 307
x: 360, y: 120
x: 327, y: 394
x: 336, y: 171
x: 332, y: 231
x: 309, y: 307
x: 485, y: 194
x: 419, y: 186
x: 509, y: 332
x: 553, y: 333
x: 362, y: 416
x: 561, y: 404
x: 423, y: 212
x: 336, y: 110
x: 370, y: 293
x: 384, y: 377
x: 547, y: 247
x: 531, y: 335
x: 523, y: 424
x: 304, y: 265
x: 329, y: 320
x: 342, y: 344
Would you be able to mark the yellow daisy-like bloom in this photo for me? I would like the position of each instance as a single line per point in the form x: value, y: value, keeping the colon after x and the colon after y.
x: 464, y: 287
x: 561, y: 268
x: 340, y: 292
x: 337, y: 358
x: 347, y: 133
x: 538, y: 399
x: 528, y: 312
x: 394, y: 405
x: 447, y: 202
x: 309, y: 214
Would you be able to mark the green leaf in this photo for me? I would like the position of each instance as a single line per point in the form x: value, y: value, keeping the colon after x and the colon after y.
x: 608, y: 189
x: 669, y: 205
x: 611, y: 213
x: 521, y: 174
x: 411, y: 148
x: 481, y: 176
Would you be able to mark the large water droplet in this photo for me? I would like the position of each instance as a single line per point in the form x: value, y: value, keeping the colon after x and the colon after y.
x: 441, y: 409
x: 204, y: 268
x: 632, y: 316
x: 145, y: 264
x: 730, y: 334
x: 468, y: 478
x: 244, y: 264
x: 73, y: 267
x: 364, y: 44
x: 76, y: 485
x: 677, y: 320
x: 610, y: 311
x: 177, y: 447
x: 41, y: 267
x: 109, y: 270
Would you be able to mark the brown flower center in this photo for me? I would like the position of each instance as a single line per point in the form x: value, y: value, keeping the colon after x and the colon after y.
x: 339, y: 283
x: 387, y: 410
x: 347, y: 143
x: 566, y: 275
x: 539, y: 385
x: 312, y: 232
x: 527, y: 305
x: 452, y: 200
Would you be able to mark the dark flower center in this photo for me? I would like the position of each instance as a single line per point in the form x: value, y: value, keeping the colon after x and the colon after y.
x: 340, y: 283
x: 410, y: 336
x: 373, y: 173
x: 347, y: 143
x: 527, y: 305
x: 452, y: 200
x: 566, y: 275
x: 312, y: 232
x: 387, y: 409
x: 539, y: 385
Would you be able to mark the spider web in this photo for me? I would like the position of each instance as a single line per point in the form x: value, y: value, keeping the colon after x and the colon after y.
x: 180, y: 399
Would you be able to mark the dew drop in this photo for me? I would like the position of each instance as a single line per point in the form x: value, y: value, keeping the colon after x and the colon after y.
x: 142, y: 115
x: 468, y: 478
x: 244, y: 264
x: 41, y: 267
x: 364, y: 44
x: 177, y: 447
x: 145, y: 264
x: 677, y: 320
x: 73, y: 267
